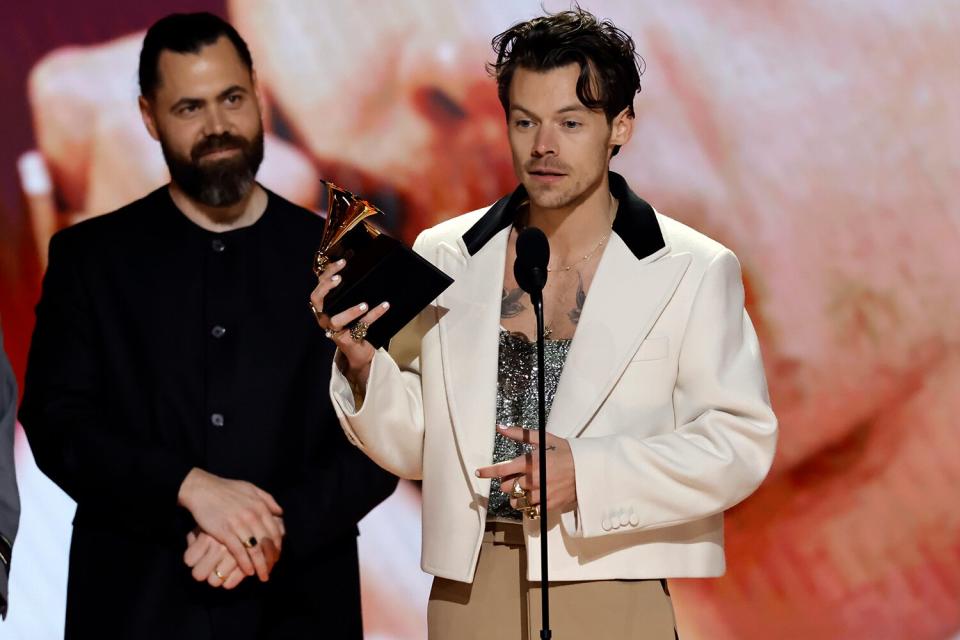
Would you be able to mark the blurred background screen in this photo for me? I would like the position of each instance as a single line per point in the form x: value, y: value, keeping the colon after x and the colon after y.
x: 812, y: 137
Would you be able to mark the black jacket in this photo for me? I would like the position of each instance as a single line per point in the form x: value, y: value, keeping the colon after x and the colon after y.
x: 158, y: 347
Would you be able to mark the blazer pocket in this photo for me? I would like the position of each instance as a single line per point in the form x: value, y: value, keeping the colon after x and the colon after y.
x: 653, y: 348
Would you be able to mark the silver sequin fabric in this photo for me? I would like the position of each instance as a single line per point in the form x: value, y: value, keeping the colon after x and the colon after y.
x: 517, y: 401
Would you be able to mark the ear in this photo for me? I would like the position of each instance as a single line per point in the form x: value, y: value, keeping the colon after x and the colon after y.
x: 257, y: 93
x: 146, y: 112
x: 621, y: 128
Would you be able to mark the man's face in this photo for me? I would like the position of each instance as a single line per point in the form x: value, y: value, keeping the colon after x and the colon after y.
x: 206, y: 116
x: 561, y: 149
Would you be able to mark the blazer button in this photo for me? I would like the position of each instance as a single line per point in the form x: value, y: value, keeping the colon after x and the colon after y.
x: 218, y: 245
x: 216, y: 419
x: 605, y: 523
x: 624, y: 518
x: 218, y: 331
x: 634, y: 519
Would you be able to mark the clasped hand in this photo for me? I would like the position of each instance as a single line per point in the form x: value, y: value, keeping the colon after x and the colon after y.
x: 239, y: 529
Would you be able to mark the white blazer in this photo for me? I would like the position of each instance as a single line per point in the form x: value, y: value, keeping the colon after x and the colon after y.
x: 662, y: 397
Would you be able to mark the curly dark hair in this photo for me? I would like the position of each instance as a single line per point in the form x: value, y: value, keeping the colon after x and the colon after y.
x: 184, y: 33
x: 610, y: 67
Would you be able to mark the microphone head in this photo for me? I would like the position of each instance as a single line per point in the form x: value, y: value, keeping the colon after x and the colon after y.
x: 533, y: 254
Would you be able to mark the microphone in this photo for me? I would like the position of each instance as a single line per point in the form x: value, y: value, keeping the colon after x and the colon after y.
x: 530, y: 267
x: 530, y: 270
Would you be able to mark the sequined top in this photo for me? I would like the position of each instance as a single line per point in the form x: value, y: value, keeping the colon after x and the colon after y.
x: 517, y: 401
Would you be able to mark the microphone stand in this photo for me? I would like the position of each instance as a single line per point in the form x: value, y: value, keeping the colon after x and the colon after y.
x: 545, y: 634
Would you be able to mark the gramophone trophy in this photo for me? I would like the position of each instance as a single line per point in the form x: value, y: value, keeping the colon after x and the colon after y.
x: 379, y: 268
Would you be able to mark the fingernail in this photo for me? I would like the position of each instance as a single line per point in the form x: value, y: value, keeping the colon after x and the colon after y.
x: 363, y: 306
x: 502, y: 427
x: 477, y: 472
x: 341, y: 262
x: 385, y: 305
x: 335, y: 279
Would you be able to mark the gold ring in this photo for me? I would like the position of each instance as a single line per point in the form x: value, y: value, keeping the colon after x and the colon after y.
x: 332, y: 334
x: 523, y: 502
x: 320, y: 262
x: 518, y: 491
x: 250, y: 542
x: 222, y: 577
x: 316, y: 314
x: 359, y: 331
x: 533, y: 512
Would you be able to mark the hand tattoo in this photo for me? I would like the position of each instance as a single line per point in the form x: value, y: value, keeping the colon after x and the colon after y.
x: 574, y: 314
x: 510, y: 305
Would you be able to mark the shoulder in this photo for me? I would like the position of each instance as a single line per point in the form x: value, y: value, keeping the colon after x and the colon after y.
x: 450, y: 230
x: 294, y: 214
x: 682, y: 238
x: 706, y: 254
x: 102, y: 231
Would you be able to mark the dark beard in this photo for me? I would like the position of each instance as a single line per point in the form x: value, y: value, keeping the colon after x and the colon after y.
x: 219, y: 183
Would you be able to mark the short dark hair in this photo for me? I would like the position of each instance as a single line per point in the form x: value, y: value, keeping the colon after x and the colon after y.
x: 610, y: 67
x: 184, y: 33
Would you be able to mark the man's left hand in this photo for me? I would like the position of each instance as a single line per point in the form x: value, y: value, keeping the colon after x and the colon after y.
x: 525, y: 469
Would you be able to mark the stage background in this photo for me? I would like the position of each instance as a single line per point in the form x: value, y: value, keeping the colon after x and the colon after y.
x: 817, y: 139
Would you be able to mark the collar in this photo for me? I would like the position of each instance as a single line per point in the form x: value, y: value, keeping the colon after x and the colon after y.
x: 636, y: 222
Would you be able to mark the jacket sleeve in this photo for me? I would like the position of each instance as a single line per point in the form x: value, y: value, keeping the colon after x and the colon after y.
x: 134, y: 484
x: 723, y: 440
x: 389, y: 425
x: 9, y: 496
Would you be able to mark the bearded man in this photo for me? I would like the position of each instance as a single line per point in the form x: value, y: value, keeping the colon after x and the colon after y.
x: 171, y: 384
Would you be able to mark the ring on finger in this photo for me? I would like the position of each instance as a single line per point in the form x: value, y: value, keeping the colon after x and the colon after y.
x: 217, y: 573
x: 359, y: 331
x: 518, y: 491
x: 331, y: 333
x: 523, y: 502
x: 316, y: 312
x: 533, y: 512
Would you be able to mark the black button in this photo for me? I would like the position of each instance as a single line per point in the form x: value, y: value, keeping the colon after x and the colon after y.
x: 218, y: 331
x: 216, y: 419
x: 218, y: 245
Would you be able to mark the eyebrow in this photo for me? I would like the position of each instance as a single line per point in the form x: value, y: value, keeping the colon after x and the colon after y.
x: 183, y: 102
x: 566, y: 109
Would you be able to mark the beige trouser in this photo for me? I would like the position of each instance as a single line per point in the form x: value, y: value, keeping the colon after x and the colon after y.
x: 502, y: 605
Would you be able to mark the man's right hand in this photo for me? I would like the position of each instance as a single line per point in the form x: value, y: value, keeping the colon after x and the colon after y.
x: 237, y: 514
x: 354, y: 356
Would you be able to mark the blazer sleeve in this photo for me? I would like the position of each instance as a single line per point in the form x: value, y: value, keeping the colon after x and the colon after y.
x: 63, y: 415
x: 723, y: 441
x: 9, y: 496
x: 389, y: 425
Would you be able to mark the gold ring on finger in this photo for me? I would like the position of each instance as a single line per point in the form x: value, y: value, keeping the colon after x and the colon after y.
x: 316, y: 314
x: 250, y: 542
x: 359, y: 331
x: 523, y: 502
x: 533, y: 512
x: 332, y: 333
x: 222, y: 577
x: 518, y: 491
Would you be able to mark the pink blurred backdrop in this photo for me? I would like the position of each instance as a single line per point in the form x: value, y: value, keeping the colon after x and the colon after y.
x: 817, y: 139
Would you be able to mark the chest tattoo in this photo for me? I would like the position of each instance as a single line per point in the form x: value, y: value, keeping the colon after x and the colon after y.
x: 510, y: 304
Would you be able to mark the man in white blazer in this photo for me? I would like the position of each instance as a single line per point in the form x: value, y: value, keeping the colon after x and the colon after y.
x: 659, y: 417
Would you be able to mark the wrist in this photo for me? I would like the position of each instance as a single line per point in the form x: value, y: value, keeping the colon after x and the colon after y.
x: 188, y: 487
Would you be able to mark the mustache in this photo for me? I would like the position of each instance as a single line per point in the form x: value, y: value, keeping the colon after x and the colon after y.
x: 218, y: 142
x: 551, y: 166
